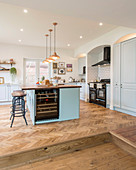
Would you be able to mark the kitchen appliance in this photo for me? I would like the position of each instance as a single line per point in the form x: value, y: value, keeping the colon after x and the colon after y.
x: 70, y: 79
x: 84, y: 69
x: 97, y: 92
x: 106, y: 59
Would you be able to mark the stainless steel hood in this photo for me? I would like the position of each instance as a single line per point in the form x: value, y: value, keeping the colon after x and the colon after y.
x: 106, y: 58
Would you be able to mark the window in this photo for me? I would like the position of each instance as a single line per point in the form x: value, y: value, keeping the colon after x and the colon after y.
x: 34, y: 70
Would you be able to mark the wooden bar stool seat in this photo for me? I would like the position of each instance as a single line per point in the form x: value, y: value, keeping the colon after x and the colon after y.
x: 18, y: 106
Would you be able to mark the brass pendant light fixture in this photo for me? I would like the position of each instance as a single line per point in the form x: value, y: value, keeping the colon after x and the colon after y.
x: 46, y: 61
x: 54, y: 56
x: 50, y: 59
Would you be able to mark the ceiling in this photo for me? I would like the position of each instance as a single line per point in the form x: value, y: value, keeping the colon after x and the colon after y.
x: 74, y: 17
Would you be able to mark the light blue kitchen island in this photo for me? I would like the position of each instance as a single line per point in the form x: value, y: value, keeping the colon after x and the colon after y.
x: 53, y: 103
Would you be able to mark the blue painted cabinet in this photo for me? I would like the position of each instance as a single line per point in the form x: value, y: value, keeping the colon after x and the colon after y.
x: 69, y: 103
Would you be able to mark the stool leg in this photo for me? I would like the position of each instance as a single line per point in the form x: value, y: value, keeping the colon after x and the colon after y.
x: 11, y: 116
x: 25, y: 120
x: 24, y: 111
x: 12, y: 121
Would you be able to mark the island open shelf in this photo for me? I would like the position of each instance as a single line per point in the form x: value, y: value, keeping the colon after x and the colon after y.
x: 50, y: 104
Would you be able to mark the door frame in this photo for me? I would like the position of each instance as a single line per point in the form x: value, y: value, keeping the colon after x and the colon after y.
x: 37, y: 60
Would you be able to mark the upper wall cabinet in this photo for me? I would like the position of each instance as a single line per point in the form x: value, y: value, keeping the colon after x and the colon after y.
x: 81, y: 65
x: 124, y: 71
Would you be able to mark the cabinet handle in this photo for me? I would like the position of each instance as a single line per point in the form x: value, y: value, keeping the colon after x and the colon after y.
x: 121, y: 85
x: 116, y: 84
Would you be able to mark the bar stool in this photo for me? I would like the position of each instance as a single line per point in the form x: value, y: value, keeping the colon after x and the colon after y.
x: 18, y: 106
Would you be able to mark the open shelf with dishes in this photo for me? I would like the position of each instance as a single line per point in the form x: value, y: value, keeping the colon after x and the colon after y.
x: 47, y: 104
x: 6, y: 63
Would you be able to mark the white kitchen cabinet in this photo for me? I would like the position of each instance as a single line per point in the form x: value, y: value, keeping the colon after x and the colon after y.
x: 125, y: 76
x: 5, y: 92
x: 82, y: 90
x: 107, y: 95
x: 116, y: 75
x: 81, y: 64
x: 128, y: 75
x: 11, y: 88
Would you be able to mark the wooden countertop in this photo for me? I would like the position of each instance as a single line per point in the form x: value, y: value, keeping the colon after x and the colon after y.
x: 37, y: 87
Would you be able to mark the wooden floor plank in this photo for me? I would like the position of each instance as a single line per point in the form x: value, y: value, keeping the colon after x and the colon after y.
x: 93, y: 120
x: 127, y: 133
x: 102, y: 157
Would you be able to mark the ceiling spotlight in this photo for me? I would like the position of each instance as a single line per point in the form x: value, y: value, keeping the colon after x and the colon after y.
x: 19, y: 40
x: 21, y: 29
x: 81, y: 36
x: 100, y: 23
x: 68, y: 45
x: 25, y: 11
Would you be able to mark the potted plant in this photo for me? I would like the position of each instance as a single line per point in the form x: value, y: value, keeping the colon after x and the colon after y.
x: 13, y: 72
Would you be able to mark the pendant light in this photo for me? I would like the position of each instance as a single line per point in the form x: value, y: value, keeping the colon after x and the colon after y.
x: 46, y: 61
x: 50, y: 59
x: 55, y: 56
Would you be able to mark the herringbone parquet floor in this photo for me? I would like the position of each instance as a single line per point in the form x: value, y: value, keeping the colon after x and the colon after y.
x: 93, y: 120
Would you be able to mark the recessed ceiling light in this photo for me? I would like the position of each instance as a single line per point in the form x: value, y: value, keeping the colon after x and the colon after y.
x: 81, y: 36
x: 25, y: 11
x: 100, y: 23
x: 21, y: 29
x: 19, y: 40
x: 68, y: 45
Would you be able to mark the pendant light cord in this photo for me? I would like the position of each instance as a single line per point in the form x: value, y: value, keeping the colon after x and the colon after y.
x: 50, y: 43
x: 46, y: 46
x: 54, y: 38
x: 50, y: 30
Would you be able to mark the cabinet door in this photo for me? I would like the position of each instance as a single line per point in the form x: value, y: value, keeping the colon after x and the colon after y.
x: 116, y: 75
x: 116, y: 96
x: 128, y: 75
x: 81, y: 64
x: 3, y: 93
x: 116, y: 64
x: 69, y: 103
x: 107, y: 95
x: 11, y: 88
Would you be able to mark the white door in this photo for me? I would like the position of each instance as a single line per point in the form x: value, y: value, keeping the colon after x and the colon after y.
x: 116, y: 75
x: 34, y: 70
x: 128, y: 75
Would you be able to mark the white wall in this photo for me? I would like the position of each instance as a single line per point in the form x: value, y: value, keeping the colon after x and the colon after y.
x: 18, y: 53
x: 67, y: 56
x: 107, y: 39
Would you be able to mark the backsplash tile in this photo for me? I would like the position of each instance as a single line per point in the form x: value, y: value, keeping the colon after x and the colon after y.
x: 104, y: 72
x: 94, y: 73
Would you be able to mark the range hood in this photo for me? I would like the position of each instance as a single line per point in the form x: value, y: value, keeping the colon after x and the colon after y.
x: 106, y: 58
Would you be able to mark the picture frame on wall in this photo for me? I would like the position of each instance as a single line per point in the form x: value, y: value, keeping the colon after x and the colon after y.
x: 69, y: 65
x: 55, y: 71
x: 55, y: 65
x: 61, y: 65
x: 61, y: 71
x: 1, y: 80
x: 69, y: 70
